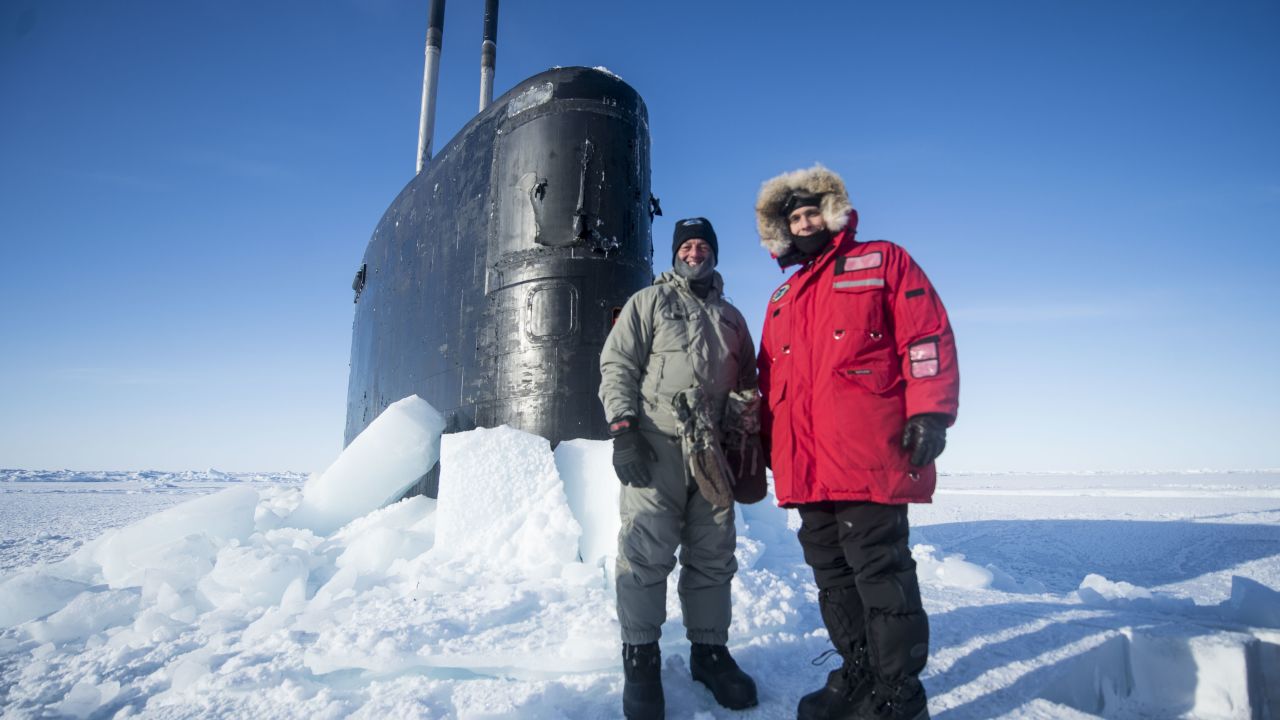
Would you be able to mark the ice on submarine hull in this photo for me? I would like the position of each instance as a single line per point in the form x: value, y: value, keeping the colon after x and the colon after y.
x: 491, y: 282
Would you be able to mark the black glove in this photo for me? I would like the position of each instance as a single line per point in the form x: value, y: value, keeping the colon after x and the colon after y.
x: 925, y: 436
x: 630, y: 450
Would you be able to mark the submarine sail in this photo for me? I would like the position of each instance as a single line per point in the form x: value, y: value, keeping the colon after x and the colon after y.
x: 491, y: 282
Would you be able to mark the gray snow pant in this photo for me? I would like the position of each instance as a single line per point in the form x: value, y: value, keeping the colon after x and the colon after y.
x: 655, y: 520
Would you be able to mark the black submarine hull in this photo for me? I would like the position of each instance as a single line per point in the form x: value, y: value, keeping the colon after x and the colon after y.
x: 491, y: 282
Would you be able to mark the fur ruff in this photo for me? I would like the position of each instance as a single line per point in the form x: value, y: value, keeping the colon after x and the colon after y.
x: 775, y: 235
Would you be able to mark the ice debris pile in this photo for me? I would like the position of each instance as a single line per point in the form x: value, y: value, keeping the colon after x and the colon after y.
x: 253, y: 592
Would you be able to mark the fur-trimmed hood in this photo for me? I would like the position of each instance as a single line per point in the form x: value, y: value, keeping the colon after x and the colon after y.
x: 775, y: 236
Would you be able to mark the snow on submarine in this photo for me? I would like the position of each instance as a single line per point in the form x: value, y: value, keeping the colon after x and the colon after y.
x: 491, y: 282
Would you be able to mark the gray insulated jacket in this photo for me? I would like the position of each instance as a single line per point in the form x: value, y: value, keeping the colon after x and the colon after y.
x: 666, y: 340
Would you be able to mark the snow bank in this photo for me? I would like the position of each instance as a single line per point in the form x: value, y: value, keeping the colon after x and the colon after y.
x: 1251, y: 603
x: 392, y: 453
x: 148, y: 478
x: 1164, y: 670
x: 496, y: 601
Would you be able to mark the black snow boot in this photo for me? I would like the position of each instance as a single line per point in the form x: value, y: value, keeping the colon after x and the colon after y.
x: 846, y: 690
x: 642, y: 693
x: 901, y: 701
x: 713, y: 666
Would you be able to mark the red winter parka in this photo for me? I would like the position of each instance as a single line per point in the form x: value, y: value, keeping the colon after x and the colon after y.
x: 855, y: 342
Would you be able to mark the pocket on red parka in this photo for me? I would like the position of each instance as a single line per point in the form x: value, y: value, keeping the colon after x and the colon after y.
x: 870, y: 408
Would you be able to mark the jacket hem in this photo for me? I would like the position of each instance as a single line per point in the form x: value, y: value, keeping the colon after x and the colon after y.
x: 858, y: 497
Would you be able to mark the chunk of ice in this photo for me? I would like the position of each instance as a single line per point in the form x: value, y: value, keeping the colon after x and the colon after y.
x: 1253, y: 603
x: 174, y: 541
x: 31, y: 594
x: 392, y: 453
x: 89, y: 613
x: 586, y: 467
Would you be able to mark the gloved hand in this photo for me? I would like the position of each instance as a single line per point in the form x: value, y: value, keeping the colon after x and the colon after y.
x: 925, y: 436
x: 630, y: 451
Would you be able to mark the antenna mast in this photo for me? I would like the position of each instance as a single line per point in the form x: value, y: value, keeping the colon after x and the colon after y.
x: 488, y: 52
x: 430, y: 75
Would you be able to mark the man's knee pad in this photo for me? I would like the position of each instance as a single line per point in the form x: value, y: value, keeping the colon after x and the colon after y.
x: 645, y: 554
x: 706, y: 569
x: 891, y: 592
x: 830, y: 570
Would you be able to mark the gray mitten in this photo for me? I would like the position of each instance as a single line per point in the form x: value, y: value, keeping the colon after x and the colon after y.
x: 742, y: 447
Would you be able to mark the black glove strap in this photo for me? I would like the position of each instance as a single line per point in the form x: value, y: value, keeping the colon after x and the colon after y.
x: 621, y: 425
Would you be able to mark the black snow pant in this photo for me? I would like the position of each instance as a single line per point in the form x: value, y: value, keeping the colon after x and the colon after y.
x: 867, y: 583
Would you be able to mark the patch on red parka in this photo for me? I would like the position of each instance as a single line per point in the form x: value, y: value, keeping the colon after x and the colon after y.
x: 923, y: 355
x: 853, y: 263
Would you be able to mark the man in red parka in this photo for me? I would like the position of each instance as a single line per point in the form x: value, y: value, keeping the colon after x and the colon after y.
x: 858, y: 371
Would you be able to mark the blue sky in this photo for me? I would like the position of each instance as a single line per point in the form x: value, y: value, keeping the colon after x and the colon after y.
x: 187, y: 188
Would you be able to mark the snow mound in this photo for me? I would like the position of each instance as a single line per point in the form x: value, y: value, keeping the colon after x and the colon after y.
x: 502, y: 507
x: 954, y: 570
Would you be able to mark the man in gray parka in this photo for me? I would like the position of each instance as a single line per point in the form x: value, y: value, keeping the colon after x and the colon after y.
x: 673, y: 338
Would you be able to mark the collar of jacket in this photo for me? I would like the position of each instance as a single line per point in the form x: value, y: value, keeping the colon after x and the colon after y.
x: 838, y: 243
x: 671, y: 278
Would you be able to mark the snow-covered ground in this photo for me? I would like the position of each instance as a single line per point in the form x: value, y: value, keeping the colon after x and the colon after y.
x: 215, y: 595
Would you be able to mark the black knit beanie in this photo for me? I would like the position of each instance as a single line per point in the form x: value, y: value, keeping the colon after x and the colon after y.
x: 694, y: 228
